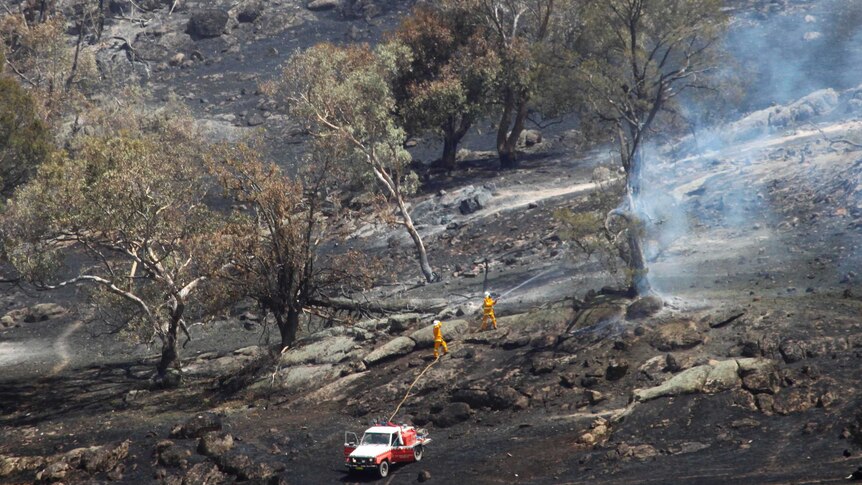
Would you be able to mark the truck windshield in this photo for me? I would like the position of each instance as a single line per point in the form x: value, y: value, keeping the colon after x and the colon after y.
x: 376, y: 439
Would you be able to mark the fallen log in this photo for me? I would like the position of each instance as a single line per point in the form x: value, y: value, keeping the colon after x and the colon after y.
x: 389, y: 305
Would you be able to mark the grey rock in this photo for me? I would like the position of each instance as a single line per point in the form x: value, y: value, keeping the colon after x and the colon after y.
x: 452, y: 414
x: 792, y: 350
x: 529, y: 138
x: 677, y: 335
x: 197, y: 426
x: 215, y: 444
x: 104, y: 458
x: 204, y: 474
x: 256, y: 119
x: 686, y: 382
x: 207, y: 23
x: 476, y: 398
x: 395, y: 347
x: 320, y: 5
x: 617, y: 369
x: 506, y: 397
x: 401, y: 322
x: 249, y: 11
x: 325, y: 351
x: 174, y: 456
x: 43, y: 311
x: 644, y: 307
x: 723, y: 376
x: 761, y: 381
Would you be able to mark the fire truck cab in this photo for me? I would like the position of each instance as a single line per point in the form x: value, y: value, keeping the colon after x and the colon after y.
x: 383, y: 445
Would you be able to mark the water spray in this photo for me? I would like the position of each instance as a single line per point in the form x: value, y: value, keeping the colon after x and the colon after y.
x: 528, y: 281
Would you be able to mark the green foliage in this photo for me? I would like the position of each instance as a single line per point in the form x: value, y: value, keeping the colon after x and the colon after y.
x: 342, y: 96
x: 453, y: 70
x: 637, y: 57
x: 133, y: 203
x: 25, y: 142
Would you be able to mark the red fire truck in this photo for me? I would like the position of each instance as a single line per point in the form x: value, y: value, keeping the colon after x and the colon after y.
x: 383, y: 445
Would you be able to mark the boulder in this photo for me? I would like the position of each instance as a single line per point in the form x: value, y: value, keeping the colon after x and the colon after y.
x: 402, y: 321
x: 636, y: 452
x: 617, y: 369
x: 723, y: 376
x: 529, y: 138
x: 249, y: 11
x: 475, y: 398
x: 104, y: 458
x: 686, y: 382
x: 679, y: 335
x: 452, y: 330
x: 324, y: 351
x: 644, y: 307
x: 256, y: 119
x: 714, y: 377
x: 474, y: 201
x: 452, y: 414
x: 215, y: 444
x: 395, y: 347
x: 207, y: 23
x: 435, y: 209
x: 54, y: 472
x: 43, y: 311
x: 245, y: 468
x: 320, y: 5
x: 761, y: 381
x: 172, y: 455
x: 204, y: 474
x: 792, y: 350
x: 794, y: 401
x: 593, y: 397
x: 542, y: 364
x: 303, y: 376
x: 197, y: 426
x: 506, y: 397
x: 11, y: 465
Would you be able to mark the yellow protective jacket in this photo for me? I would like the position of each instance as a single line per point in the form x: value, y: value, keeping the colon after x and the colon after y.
x: 488, y: 306
x: 438, y: 335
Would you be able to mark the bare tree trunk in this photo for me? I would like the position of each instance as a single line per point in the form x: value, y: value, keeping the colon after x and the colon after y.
x: 421, y: 255
x: 507, y: 140
x: 635, y: 232
x: 288, y: 325
x: 168, y: 369
x: 453, y: 134
x: 507, y: 156
x: 74, y: 70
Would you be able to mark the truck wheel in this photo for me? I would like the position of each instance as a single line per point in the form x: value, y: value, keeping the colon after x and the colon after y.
x: 417, y: 453
x: 383, y: 469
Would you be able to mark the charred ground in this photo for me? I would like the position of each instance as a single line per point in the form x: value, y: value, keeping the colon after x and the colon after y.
x: 757, y: 344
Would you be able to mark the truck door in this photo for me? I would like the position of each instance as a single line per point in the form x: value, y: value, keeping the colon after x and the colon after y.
x: 400, y: 452
x: 350, y: 443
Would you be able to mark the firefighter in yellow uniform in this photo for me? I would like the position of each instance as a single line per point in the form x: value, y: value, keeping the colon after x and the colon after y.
x: 488, y: 311
x: 438, y: 340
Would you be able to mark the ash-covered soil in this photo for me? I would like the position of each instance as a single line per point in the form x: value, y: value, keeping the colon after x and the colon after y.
x: 743, y: 368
